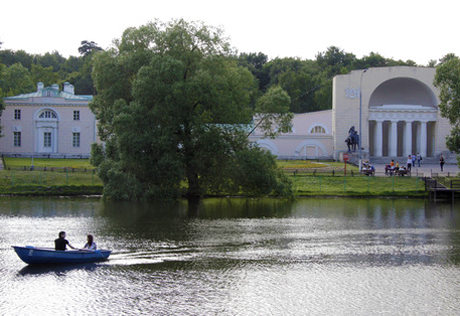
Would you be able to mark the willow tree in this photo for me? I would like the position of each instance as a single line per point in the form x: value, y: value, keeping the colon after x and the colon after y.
x: 173, y: 109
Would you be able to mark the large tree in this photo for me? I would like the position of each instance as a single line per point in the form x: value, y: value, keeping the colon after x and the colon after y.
x: 173, y: 107
x: 447, y: 79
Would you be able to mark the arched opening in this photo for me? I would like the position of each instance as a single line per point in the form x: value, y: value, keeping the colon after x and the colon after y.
x: 402, y: 116
x: 404, y: 91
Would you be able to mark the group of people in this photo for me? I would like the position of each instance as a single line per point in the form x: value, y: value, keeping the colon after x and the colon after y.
x: 61, y: 243
x: 394, y: 167
x: 367, y: 167
x: 411, y: 159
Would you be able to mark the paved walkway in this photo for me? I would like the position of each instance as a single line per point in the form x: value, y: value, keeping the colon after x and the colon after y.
x: 426, y: 169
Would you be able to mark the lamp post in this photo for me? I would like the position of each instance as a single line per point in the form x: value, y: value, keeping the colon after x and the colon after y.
x: 360, y: 118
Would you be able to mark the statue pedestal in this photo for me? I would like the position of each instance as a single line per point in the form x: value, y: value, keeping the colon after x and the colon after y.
x: 353, y: 157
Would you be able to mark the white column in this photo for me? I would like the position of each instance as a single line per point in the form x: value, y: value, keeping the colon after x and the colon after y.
x: 417, y: 138
x: 423, y: 138
x: 393, y: 139
x: 378, y: 139
x: 408, y: 139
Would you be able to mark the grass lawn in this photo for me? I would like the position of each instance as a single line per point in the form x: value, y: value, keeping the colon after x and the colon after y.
x: 357, y: 185
x: 20, y: 163
x: 317, y: 167
x: 326, y: 178
x: 61, y: 177
x: 310, y: 178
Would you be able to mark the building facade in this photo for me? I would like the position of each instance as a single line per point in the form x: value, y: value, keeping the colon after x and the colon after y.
x: 393, y: 109
x: 48, y: 123
x: 311, y: 138
x: 399, y: 112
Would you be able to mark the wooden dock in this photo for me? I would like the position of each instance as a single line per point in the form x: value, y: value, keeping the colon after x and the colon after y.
x: 438, y: 190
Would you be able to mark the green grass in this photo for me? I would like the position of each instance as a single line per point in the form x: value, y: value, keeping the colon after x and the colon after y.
x: 62, y: 177
x: 328, y: 179
x: 308, y: 165
x: 318, y: 185
x: 20, y: 163
x: 324, y: 178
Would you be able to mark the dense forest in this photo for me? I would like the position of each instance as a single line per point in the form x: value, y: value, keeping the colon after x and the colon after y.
x: 308, y: 82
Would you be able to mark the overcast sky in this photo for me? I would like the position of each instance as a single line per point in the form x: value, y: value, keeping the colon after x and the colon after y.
x: 403, y: 29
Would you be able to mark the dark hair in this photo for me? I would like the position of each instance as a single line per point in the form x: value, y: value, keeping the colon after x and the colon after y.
x: 61, y: 233
x: 90, y: 239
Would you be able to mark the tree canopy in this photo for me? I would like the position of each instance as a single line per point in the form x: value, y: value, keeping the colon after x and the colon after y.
x: 447, y: 79
x: 87, y: 47
x: 174, y: 108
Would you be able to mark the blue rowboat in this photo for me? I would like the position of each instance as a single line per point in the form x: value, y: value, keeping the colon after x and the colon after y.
x: 34, y: 255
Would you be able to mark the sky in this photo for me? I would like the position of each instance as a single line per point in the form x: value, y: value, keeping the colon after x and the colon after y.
x: 417, y: 30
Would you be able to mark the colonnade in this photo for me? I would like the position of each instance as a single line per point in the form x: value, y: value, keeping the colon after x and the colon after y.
x: 402, y: 130
x: 411, y: 136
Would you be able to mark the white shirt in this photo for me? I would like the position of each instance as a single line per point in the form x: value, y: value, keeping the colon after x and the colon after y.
x: 90, y: 247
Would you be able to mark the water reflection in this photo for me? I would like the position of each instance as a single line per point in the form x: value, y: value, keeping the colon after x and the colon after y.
x: 237, y: 256
x: 56, y: 270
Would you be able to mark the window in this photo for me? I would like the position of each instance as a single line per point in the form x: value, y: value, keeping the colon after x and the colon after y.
x: 76, y: 115
x: 17, y: 139
x: 47, y: 139
x: 47, y: 114
x: 76, y: 139
x: 318, y: 130
x: 17, y: 114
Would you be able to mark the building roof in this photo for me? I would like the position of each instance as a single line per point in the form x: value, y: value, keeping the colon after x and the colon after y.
x: 52, y: 92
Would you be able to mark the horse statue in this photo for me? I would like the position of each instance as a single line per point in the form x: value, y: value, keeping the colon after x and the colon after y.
x: 352, y: 139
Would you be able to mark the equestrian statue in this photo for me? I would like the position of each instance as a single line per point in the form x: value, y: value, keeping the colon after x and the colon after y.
x: 352, y: 139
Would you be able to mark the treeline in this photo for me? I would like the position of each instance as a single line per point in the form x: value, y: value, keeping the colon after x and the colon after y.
x: 20, y: 71
x: 308, y: 82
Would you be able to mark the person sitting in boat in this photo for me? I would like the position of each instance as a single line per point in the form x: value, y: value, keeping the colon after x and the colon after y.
x: 61, y: 243
x: 90, y: 244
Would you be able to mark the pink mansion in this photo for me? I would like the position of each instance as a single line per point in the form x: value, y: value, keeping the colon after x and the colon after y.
x: 48, y: 123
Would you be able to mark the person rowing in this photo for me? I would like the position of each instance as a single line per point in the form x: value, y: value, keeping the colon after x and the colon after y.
x: 61, y: 243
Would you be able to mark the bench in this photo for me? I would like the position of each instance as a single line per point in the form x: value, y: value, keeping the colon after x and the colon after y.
x: 388, y: 169
x: 402, y: 172
x: 368, y: 172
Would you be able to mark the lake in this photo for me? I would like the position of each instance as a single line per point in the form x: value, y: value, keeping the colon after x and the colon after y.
x: 236, y: 257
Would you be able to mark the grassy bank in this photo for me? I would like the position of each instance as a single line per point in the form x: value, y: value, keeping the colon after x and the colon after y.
x: 49, y: 177
x: 42, y: 163
x: 78, y: 177
x: 332, y: 179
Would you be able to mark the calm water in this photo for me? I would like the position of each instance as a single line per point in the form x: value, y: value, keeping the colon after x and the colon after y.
x: 236, y: 257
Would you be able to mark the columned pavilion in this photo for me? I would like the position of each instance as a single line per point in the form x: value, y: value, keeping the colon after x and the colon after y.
x: 401, y: 130
x: 396, y: 109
